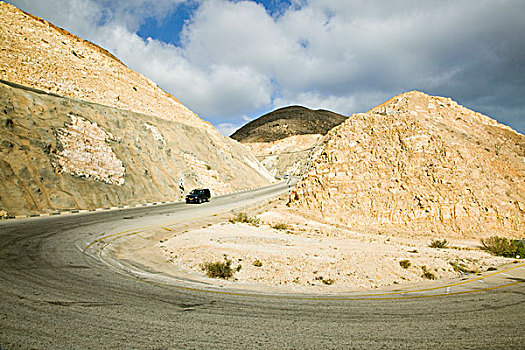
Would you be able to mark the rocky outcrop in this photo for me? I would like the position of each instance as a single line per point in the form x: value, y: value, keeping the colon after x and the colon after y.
x: 422, y: 164
x: 285, y: 140
x: 59, y: 153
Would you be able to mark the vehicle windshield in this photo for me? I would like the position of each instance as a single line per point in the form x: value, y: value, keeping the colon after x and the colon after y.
x: 196, y: 192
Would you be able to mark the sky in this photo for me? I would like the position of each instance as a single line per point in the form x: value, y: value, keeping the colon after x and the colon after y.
x: 233, y: 61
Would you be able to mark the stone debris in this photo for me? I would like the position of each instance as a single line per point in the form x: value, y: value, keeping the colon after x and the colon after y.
x: 84, y: 151
x: 206, y: 176
x: 157, y: 135
x: 422, y: 164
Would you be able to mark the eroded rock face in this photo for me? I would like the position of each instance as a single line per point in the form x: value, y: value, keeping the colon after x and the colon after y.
x: 419, y: 163
x: 59, y: 153
x: 83, y: 150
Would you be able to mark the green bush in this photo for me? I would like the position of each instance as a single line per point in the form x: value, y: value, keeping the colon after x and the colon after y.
x: 219, y: 269
x: 427, y: 274
x: 280, y: 226
x: 502, y: 246
x: 438, y: 244
x: 244, y: 218
x: 461, y: 268
x: 327, y: 281
x: 405, y: 264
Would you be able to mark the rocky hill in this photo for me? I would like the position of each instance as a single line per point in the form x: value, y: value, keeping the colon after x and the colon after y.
x: 286, y: 122
x: 283, y: 140
x: 86, y: 131
x: 419, y: 163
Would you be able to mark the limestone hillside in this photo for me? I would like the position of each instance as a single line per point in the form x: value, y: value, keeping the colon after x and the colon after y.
x: 38, y: 54
x: 83, y: 131
x: 283, y: 140
x: 59, y: 153
x: 419, y: 164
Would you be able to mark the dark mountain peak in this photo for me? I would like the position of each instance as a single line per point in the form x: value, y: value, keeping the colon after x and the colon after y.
x: 288, y: 121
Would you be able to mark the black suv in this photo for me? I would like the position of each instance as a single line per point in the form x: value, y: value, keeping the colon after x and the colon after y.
x: 198, y: 196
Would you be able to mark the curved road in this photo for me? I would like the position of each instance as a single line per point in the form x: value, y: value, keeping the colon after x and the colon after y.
x: 55, y: 295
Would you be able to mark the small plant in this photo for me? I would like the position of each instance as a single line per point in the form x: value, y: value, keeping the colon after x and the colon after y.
x: 427, y: 274
x: 405, y: 264
x: 257, y: 263
x: 502, y: 246
x: 219, y: 269
x: 438, y: 244
x: 244, y: 218
x: 327, y: 281
x: 461, y: 268
x: 280, y: 226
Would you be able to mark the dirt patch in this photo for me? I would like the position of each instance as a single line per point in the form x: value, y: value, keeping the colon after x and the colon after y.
x: 304, y: 255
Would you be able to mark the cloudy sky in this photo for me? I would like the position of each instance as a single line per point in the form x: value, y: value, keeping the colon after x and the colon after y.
x: 232, y: 61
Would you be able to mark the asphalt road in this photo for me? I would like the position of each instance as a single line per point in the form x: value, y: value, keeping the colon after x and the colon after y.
x: 56, y: 296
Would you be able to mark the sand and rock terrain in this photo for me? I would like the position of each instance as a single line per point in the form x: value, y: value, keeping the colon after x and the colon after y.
x: 384, y: 186
x: 288, y: 252
x: 84, y: 131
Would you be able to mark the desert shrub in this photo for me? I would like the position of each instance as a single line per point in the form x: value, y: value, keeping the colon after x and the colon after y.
x: 502, y: 246
x: 257, y: 263
x: 427, y: 274
x: 405, y: 264
x: 244, y: 218
x: 219, y: 269
x: 438, y: 244
x: 280, y: 226
x: 327, y: 281
x: 461, y: 268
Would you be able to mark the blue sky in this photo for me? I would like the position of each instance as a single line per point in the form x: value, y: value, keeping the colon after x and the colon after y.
x: 232, y: 61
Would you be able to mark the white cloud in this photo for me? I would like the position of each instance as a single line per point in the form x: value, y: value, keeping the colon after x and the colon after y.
x: 227, y: 129
x: 235, y: 58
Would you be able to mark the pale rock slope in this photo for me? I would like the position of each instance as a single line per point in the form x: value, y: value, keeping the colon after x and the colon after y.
x: 419, y: 164
x: 80, y: 130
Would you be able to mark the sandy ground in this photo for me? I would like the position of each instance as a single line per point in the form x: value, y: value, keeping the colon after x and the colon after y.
x: 309, y: 256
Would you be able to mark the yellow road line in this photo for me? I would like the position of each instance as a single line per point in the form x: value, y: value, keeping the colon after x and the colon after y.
x: 336, y: 298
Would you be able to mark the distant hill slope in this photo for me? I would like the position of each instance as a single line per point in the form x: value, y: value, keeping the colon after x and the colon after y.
x: 284, y: 140
x: 286, y: 122
x: 419, y: 164
x: 105, y: 136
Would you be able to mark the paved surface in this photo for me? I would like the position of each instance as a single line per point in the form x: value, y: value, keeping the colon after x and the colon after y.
x: 57, y: 294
